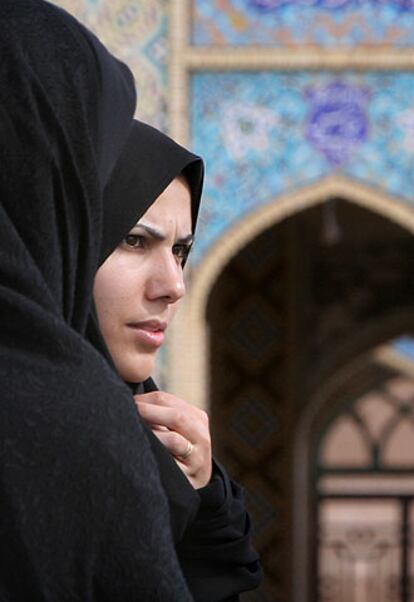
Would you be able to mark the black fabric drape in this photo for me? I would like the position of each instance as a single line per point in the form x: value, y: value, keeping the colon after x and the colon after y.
x: 150, y: 160
x: 216, y: 552
x: 82, y: 513
x: 210, y: 526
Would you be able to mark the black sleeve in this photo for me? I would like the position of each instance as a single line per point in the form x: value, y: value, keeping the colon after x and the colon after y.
x: 216, y: 554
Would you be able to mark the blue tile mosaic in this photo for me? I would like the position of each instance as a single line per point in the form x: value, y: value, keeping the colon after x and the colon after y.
x: 300, y: 22
x: 263, y: 134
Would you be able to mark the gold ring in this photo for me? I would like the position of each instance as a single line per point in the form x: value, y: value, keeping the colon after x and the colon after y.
x: 187, y: 452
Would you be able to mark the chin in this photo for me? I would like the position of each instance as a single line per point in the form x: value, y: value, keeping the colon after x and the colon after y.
x: 136, y: 371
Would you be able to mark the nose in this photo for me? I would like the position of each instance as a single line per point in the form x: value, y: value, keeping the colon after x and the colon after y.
x: 166, y: 280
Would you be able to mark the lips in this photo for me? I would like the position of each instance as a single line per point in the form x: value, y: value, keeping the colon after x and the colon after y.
x: 150, y: 332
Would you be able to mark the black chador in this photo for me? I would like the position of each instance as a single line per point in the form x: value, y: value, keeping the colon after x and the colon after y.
x: 83, y: 516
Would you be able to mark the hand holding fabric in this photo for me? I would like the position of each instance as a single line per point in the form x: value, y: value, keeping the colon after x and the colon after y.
x: 183, y: 429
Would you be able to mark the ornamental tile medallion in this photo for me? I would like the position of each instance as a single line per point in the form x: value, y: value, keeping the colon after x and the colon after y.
x: 338, y: 121
x: 266, y: 133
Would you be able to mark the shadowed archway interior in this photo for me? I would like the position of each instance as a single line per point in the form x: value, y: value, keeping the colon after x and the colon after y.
x: 292, y: 308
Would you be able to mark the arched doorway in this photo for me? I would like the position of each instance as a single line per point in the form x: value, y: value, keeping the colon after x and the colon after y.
x: 289, y: 311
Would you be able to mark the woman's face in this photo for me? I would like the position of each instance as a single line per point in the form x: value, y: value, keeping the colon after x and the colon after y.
x: 137, y: 288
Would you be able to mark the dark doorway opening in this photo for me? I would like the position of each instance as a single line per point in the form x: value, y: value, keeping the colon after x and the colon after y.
x: 294, y: 306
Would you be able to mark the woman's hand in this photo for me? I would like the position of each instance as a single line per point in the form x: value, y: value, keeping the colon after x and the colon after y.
x: 183, y: 429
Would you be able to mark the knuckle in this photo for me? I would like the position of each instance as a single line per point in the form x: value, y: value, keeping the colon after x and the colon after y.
x: 204, y: 438
x: 163, y: 398
x: 179, y: 419
x: 205, y: 417
x: 200, y: 415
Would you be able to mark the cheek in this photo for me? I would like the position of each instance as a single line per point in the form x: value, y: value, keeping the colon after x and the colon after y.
x: 112, y: 285
x: 104, y: 290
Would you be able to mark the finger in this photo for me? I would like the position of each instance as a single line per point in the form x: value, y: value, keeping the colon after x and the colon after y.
x: 155, y: 415
x: 176, y: 444
x: 159, y: 427
x: 172, y: 418
x: 161, y: 398
x: 196, y: 416
x: 196, y: 466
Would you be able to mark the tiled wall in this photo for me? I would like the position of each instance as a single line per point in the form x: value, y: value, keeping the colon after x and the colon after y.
x: 301, y: 22
x: 265, y: 133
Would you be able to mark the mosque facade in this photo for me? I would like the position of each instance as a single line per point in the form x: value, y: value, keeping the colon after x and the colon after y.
x: 296, y: 333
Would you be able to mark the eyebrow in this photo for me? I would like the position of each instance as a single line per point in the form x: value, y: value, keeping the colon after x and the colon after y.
x: 159, y: 235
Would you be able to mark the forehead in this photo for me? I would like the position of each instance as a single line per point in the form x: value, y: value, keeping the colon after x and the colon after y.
x: 172, y: 207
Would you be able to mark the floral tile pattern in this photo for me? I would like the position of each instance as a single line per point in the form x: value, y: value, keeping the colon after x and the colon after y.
x: 263, y: 134
x: 301, y: 22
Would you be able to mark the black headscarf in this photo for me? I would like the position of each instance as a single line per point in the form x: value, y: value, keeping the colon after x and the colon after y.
x: 149, y: 162
x: 82, y: 512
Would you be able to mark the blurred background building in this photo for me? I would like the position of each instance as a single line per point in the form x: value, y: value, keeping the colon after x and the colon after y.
x: 296, y: 331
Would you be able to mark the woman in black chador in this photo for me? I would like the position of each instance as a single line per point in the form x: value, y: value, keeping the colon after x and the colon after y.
x: 150, y: 211
x: 83, y: 516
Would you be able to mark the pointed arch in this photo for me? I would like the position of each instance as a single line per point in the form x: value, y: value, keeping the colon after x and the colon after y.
x: 308, y: 430
x: 188, y: 345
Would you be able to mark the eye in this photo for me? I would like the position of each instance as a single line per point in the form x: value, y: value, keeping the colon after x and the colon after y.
x: 136, y: 241
x: 181, y: 251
